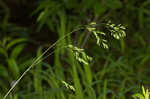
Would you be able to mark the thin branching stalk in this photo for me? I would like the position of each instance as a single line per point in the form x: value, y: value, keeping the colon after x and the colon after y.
x: 37, y: 61
x: 113, y: 28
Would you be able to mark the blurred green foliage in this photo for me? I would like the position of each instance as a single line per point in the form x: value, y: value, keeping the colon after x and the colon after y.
x: 28, y: 27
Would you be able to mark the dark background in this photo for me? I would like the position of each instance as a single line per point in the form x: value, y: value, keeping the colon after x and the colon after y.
x: 29, y: 27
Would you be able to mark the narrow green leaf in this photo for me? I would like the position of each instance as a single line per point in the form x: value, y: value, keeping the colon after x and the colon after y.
x: 13, y: 67
x: 41, y: 16
x: 17, y: 50
x: 137, y: 96
x: 14, y: 42
x: 3, y: 52
x: 147, y: 94
x: 3, y: 71
x: 143, y: 90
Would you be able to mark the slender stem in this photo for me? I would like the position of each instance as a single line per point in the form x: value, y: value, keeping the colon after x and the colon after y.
x: 35, y: 62
x: 86, y: 39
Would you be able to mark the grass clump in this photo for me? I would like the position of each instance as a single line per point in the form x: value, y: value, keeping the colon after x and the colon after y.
x: 144, y: 95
